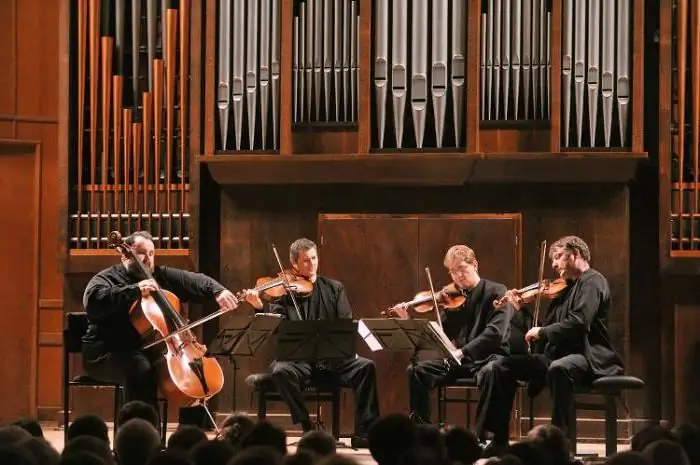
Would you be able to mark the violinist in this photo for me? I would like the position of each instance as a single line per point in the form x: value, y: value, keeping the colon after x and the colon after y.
x: 480, y: 332
x: 327, y: 301
x: 572, y: 345
x: 112, y: 346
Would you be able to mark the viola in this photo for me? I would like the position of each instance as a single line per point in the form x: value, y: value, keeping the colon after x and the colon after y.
x: 549, y: 289
x: 191, y: 376
x: 448, y: 298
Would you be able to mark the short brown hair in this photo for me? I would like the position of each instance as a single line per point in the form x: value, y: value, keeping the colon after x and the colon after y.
x: 132, y: 237
x: 459, y: 253
x: 300, y: 245
x: 572, y: 244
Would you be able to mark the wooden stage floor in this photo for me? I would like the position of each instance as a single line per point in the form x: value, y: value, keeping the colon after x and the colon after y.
x: 590, y: 453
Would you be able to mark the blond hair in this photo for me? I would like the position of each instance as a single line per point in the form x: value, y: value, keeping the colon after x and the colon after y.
x: 458, y: 254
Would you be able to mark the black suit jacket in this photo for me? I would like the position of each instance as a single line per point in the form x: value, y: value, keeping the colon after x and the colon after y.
x: 334, y: 302
x: 576, y: 324
x: 479, y: 329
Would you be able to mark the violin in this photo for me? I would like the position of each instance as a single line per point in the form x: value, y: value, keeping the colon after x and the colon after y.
x: 448, y: 298
x: 282, y: 284
x: 191, y: 376
x: 549, y: 289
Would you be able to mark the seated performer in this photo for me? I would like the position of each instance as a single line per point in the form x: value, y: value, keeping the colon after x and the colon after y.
x: 111, y: 346
x: 480, y: 331
x: 573, y: 345
x: 327, y: 301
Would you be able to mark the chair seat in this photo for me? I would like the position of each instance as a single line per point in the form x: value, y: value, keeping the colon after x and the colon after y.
x: 90, y: 381
x: 264, y: 382
x: 617, y: 383
x: 471, y: 383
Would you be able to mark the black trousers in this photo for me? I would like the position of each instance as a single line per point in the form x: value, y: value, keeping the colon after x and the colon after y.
x: 426, y: 375
x: 132, y: 369
x: 500, y: 383
x: 359, y: 374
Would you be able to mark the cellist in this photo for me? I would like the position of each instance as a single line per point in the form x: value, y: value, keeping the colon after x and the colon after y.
x: 111, y: 345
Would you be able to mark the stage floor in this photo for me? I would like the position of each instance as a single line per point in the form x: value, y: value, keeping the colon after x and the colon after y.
x: 589, y: 453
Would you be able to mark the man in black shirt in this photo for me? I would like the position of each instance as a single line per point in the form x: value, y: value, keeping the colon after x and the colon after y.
x: 573, y: 345
x: 112, y: 346
x: 479, y: 331
x: 327, y: 301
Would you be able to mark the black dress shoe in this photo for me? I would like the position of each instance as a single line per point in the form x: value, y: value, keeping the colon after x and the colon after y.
x: 359, y: 441
x: 493, y: 448
x: 417, y: 419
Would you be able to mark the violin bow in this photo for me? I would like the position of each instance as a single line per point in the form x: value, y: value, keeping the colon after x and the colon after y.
x: 432, y: 293
x: 287, y: 286
x: 540, y: 279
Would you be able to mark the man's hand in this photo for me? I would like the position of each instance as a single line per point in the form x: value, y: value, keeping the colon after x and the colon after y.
x: 533, y: 334
x: 253, y: 298
x: 226, y: 300
x: 397, y: 311
x: 513, y: 298
x: 147, y: 286
x: 458, y: 354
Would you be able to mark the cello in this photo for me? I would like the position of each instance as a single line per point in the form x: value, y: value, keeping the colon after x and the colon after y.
x: 191, y: 377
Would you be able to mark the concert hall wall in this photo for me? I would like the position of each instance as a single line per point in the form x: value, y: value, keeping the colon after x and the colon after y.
x: 626, y: 222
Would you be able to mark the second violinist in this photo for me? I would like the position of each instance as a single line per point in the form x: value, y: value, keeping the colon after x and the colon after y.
x: 327, y: 301
x: 481, y: 332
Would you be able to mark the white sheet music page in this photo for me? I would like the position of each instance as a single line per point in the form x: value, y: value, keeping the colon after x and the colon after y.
x: 368, y: 337
x: 437, y: 330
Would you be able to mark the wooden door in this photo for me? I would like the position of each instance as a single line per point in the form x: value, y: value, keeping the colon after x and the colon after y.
x: 381, y: 260
x: 19, y: 236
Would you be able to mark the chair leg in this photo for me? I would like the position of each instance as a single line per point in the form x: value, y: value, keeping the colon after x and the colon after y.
x: 164, y: 421
x: 335, y: 421
x: 572, y: 428
x: 532, y: 411
x: 610, y: 426
x: 66, y: 393
x: 468, y: 393
x: 441, y: 404
x: 117, y: 404
x: 262, y: 405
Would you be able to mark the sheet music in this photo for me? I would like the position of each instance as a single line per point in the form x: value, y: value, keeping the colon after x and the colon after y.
x: 442, y: 337
x: 368, y: 337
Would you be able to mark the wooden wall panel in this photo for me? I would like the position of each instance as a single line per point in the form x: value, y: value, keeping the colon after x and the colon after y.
x: 686, y: 355
x: 20, y: 172
x: 29, y: 53
x: 7, y: 58
x: 37, y: 58
x: 254, y: 217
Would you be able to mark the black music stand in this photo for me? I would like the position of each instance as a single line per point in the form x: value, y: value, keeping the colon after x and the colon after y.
x: 410, y: 335
x: 243, y: 336
x: 317, y: 341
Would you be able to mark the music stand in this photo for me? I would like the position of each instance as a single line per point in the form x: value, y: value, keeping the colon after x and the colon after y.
x: 317, y: 341
x: 408, y: 335
x: 243, y: 336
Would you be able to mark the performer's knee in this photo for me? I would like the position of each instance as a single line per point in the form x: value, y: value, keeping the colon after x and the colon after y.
x: 558, y: 372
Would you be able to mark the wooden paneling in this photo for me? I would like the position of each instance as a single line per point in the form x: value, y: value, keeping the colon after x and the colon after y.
x: 255, y: 217
x: 20, y: 171
x: 29, y: 107
x: 362, y: 251
x: 687, y: 360
x: 8, y: 69
x: 37, y: 58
